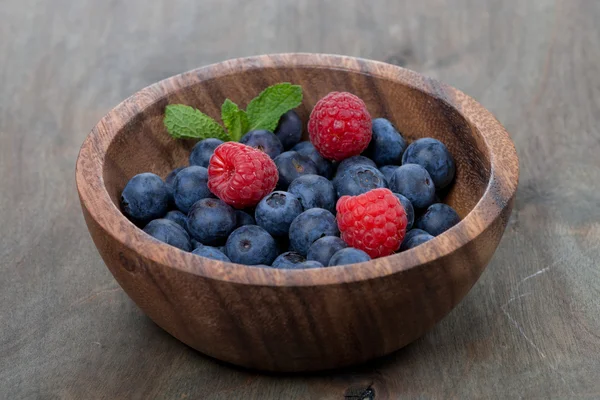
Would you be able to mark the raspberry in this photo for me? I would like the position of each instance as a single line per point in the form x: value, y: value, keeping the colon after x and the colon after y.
x: 340, y: 126
x: 374, y: 222
x: 241, y: 175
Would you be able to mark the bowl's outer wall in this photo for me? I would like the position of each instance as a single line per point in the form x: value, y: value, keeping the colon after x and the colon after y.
x: 300, y: 322
x: 298, y: 328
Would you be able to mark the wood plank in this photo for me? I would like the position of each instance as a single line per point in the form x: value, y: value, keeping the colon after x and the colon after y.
x: 530, y: 328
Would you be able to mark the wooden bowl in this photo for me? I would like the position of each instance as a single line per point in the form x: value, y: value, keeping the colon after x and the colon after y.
x: 281, y: 320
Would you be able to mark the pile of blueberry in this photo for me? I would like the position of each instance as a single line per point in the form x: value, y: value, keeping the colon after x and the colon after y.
x: 294, y: 226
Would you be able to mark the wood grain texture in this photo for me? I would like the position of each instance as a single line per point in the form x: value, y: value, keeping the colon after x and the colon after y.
x: 318, y: 319
x: 529, y: 328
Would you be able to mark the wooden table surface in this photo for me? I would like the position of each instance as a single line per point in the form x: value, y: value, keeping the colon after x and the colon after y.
x: 530, y: 328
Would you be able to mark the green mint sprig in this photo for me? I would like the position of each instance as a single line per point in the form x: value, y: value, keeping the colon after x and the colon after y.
x: 185, y: 122
x: 235, y: 120
x: 263, y: 112
x: 265, y: 109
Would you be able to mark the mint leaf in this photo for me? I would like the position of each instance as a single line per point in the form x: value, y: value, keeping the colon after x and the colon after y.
x: 235, y: 120
x: 185, y: 122
x: 265, y: 109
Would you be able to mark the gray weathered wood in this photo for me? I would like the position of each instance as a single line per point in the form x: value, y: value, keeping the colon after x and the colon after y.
x: 530, y: 328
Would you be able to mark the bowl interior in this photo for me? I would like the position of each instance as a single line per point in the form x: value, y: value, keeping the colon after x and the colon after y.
x: 143, y: 144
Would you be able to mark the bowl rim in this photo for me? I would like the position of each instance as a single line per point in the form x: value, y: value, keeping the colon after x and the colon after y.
x: 95, y: 199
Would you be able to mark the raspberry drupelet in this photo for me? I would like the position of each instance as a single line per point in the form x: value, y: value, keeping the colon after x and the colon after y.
x: 374, y: 222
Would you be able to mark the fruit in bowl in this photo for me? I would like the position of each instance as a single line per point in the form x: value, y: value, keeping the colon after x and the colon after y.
x: 307, y: 316
x: 369, y: 216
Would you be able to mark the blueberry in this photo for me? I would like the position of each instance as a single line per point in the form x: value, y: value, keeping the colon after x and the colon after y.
x: 323, y: 249
x: 314, y: 191
x: 211, y: 252
x: 387, y: 145
x: 387, y: 171
x: 169, y: 181
x: 243, y: 218
x: 289, y: 129
x: 415, y: 240
x: 309, y: 264
x: 309, y: 226
x: 408, y: 209
x: 178, y: 217
x: 291, y: 165
x: 288, y: 260
x: 351, y: 162
x: 293, y: 260
x: 432, y: 155
x: 145, y: 198
x: 171, y: 177
x: 413, y: 182
x: 304, y: 145
x: 413, y: 232
x: 203, y: 151
x: 264, y: 141
x: 349, y: 255
x: 196, y: 244
x: 437, y: 219
x: 324, y: 167
x: 210, y: 221
x: 190, y: 185
x: 358, y: 179
x: 251, y: 245
x: 169, y: 232
x: 276, y: 211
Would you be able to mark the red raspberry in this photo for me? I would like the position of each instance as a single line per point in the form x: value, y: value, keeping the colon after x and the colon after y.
x: 374, y: 222
x: 340, y: 126
x: 241, y: 175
